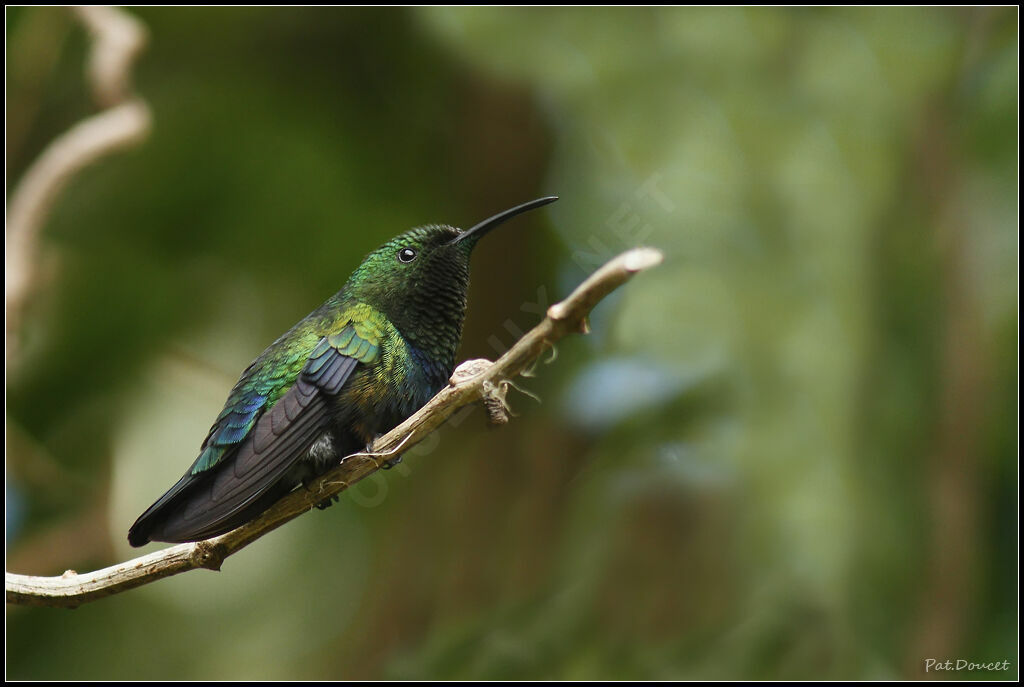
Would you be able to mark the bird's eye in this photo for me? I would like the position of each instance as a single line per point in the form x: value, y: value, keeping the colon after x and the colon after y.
x: 406, y: 255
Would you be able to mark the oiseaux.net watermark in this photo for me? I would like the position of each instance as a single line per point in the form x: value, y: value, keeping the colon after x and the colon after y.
x: 627, y: 227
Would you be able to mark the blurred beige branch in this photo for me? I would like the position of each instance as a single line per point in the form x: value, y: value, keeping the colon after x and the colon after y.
x: 116, y: 40
x: 473, y: 381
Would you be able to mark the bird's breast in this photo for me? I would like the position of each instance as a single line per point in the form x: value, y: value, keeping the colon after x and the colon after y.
x: 382, y: 394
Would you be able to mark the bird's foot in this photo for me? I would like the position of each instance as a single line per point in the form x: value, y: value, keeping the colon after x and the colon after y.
x: 307, y: 484
x: 327, y: 503
x: 383, y: 464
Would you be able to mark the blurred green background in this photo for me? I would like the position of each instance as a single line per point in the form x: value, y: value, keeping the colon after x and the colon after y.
x: 789, y: 452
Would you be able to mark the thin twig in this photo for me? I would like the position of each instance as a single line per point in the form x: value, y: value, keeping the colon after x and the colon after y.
x: 117, y: 39
x: 466, y: 386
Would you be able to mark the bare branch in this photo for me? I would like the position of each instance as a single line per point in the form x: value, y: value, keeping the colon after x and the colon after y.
x: 473, y: 381
x: 117, y: 39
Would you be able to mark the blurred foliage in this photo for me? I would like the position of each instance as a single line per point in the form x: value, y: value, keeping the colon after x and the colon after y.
x: 789, y: 452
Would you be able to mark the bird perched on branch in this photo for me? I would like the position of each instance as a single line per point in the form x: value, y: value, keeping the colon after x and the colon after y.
x: 352, y: 369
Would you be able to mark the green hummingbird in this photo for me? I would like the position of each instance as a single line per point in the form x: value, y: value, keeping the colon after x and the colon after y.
x: 352, y: 369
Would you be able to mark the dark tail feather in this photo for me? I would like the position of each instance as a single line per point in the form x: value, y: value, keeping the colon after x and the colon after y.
x: 178, y: 527
x: 140, y: 532
x: 168, y: 519
x: 256, y: 472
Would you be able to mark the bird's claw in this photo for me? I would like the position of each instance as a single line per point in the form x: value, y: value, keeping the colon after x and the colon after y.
x: 383, y: 464
x: 328, y: 502
x: 307, y: 484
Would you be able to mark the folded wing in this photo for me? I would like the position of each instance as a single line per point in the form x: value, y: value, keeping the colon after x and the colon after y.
x: 245, y: 480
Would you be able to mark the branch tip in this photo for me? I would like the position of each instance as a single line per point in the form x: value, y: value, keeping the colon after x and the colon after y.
x: 640, y: 259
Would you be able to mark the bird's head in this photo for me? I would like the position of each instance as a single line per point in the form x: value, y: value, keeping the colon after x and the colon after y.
x: 418, y: 279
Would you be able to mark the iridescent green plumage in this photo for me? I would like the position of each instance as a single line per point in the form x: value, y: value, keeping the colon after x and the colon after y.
x: 352, y: 369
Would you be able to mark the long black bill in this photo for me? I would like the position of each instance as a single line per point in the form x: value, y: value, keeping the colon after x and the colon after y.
x: 479, y: 230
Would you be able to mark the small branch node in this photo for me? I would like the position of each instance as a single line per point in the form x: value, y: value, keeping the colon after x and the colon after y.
x: 558, y: 312
x: 469, y: 369
x: 209, y: 555
x: 493, y: 399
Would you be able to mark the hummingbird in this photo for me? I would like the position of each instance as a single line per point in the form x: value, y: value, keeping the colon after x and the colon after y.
x: 351, y: 370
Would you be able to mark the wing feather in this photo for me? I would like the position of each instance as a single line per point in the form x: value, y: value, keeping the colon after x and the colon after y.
x: 267, y: 444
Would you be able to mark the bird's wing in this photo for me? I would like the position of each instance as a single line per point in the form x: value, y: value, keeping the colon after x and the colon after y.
x: 257, y: 446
